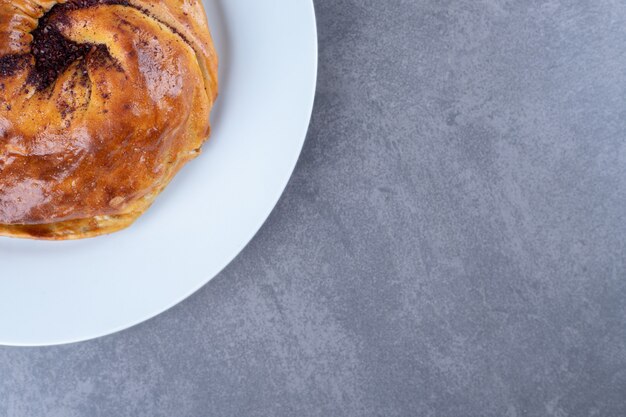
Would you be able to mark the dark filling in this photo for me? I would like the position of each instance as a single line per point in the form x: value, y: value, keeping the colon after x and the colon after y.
x: 10, y: 64
x: 54, y: 53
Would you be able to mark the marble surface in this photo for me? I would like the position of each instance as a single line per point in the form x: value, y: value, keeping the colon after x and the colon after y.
x: 452, y: 243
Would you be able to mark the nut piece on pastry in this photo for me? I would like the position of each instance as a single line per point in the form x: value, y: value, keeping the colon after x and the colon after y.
x: 101, y: 103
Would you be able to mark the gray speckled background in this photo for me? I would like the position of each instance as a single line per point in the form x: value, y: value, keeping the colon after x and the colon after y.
x: 452, y: 243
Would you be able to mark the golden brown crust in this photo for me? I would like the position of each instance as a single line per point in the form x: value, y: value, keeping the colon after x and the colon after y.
x: 90, y: 136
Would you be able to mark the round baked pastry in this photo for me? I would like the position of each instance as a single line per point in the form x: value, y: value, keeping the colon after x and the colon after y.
x: 101, y: 103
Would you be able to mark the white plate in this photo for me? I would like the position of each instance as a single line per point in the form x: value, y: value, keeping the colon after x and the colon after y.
x: 53, y: 293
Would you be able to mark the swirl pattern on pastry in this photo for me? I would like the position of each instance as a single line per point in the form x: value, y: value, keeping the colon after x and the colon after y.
x: 101, y: 103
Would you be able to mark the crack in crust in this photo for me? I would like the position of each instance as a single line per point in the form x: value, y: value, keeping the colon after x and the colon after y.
x: 53, y: 52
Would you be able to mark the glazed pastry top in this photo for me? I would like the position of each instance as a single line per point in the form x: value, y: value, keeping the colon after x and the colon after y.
x: 101, y: 102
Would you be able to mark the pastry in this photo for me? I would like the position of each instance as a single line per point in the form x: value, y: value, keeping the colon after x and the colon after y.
x: 101, y: 104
